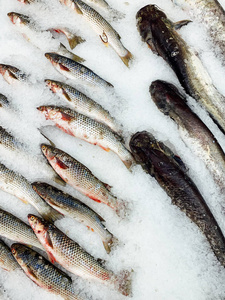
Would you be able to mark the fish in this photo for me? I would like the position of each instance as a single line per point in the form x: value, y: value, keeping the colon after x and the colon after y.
x: 43, y: 273
x: 29, y: 29
x: 73, y: 258
x: 104, y: 30
x: 27, y: 1
x: 4, y: 102
x: 73, y: 39
x: 7, y: 261
x: 12, y: 74
x: 15, y: 229
x: 13, y: 183
x: 212, y: 15
x: 74, y: 208
x: 193, y: 131
x: 88, y: 130
x: 161, y: 36
x: 168, y: 170
x: 80, y: 177
x: 82, y: 104
x: 73, y: 70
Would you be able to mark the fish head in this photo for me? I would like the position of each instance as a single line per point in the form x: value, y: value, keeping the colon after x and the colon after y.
x: 54, y: 86
x: 48, y: 151
x: 18, y: 19
x: 9, y: 73
x: 38, y: 225
x: 166, y: 97
x: 18, y: 251
x: 51, y: 112
x: 40, y: 188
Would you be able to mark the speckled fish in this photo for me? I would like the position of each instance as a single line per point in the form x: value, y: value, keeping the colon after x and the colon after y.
x: 73, y: 70
x: 211, y: 14
x: 192, y: 130
x: 12, y: 74
x: 74, y: 208
x: 169, y: 171
x: 4, y: 101
x: 80, y: 177
x: 43, y: 273
x: 17, y: 185
x: 88, y: 130
x: 14, y: 229
x: 73, y: 39
x: 73, y: 258
x: 7, y: 261
x: 82, y: 104
x: 105, y: 31
x: 29, y: 29
x: 161, y: 36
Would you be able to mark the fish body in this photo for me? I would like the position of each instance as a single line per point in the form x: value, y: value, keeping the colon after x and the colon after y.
x: 74, y: 208
x: 79, y: 176
x: 81, y: 103
x: 70, y: 255
x: 211, y: 14
x: 7, y: 261
x: 43, y: 273
x: 73, y: 70
x: 104, y: 30
x: 160, y: 35
x: 17, y: 185
x: 192, y: 130
x: 159, y: 161
x: 88, y: 130
x: 4, y: 101
x: 14, y: 229
x: 12, y: 74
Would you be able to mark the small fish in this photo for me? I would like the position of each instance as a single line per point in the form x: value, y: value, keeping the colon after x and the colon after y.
x: 12, y: 74
x: 29, y: 29
x: 17, y: 185
x: 74, y: 208
x: 82, y: 104
x: 161, y: 36
x: 73, y: 258
x: 161, y: 163
x: 73, y: 70
x: 105, y: 31
x: 80, y: 177
x: 43, y: 273
x: 7, y: 261
x: 15, y: 229
x: 4, y: 101
x: 192, y: 130
x: 73, y: 39
x: 88, y: 130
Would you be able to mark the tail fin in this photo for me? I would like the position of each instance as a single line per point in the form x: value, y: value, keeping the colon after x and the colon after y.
x: 129, y: 163
x: 74, y: 41
x: 126, y: 59
x: 52, y: 215
x: 123, y: 283
x: 109, y: 243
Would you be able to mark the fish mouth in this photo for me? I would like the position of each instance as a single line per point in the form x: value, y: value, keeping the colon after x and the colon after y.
x: 11, y: 17
x: 2, y: 69
x: 54, y: 87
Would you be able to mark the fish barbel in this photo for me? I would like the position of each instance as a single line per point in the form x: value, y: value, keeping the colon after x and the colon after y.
x: 82, y: 104
x: 12, y: 74
x: 192, y: 130
x: 74, y: 208
x: 73, y: 70
x: 43, y: 273
x: 73, y: 258
x: 80, y: 177
x: 161, y: 163
x: 17, y: 185
x: 15, y: 229
x: 7, y: 261
x: 104, y: 30
x: 160, y: 35
x: 88, y: 130
x: 211, y: 14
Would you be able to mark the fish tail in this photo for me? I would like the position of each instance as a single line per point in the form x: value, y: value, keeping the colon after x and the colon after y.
x: 122, y: 208
x: 52, y: 215
x: 128, y: 163
x: 123, y: 283
x: 126, y: 59
x: 109, y: 243
x: 75, y: 40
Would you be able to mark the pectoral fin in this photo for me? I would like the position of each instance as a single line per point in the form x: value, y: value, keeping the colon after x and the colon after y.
x: 180, y: 24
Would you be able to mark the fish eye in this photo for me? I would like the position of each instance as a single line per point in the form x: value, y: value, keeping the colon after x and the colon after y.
x: 32, y: 218
x: 13, y: 251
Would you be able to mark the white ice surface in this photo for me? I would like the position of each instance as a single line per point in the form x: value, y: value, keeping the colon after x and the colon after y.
x: 169, y: 256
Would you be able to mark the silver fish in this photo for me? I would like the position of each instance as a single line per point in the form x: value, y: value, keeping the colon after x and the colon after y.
x: 17, y: 185
x: 104, y: 30
x: 73, y: 70
x: 15, y: 229
x: 82, y: 104
x: 7, y: 261
x: 43, y: 273
x: 74, y: 208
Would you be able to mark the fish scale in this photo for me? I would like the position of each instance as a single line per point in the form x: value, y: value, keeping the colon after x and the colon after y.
x: 17, y: 185
x: 7, y: 261
x: 8, y: 141
x: 43, y: 273
x: 14, y: 229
